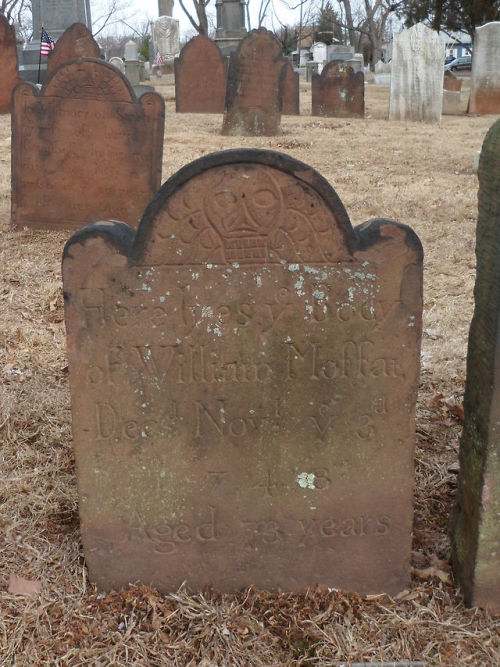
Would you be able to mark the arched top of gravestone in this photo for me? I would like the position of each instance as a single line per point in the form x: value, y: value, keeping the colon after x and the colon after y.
x: 264, y: 41
x: 198, y: 47
x: 75, y: 42
x: 337, y: 68
x: 89, y: 78
x: 243, y: 206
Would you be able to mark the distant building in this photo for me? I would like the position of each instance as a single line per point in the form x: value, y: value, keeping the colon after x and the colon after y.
x: 458, y: 44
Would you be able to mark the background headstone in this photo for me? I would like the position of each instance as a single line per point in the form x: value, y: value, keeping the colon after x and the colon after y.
x: 452, y: 104
x: 200, y: 77
x: 255, y: 85
x: 475, y: 528
x: 9, y: 76
x: 84, y: 148
x: 417, y: 75
x: 485, y: 84
x: 118, y: 63
x: 131, y: 51
x: 452, y: 82
x: 243, y: 374
x: 291, y: 101
x: 338, y: 91
x: 76, y: 42
x: 56, y: 16
x: 165, y: 37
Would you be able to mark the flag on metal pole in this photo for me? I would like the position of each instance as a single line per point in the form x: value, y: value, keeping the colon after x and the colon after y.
x: 47, y: 44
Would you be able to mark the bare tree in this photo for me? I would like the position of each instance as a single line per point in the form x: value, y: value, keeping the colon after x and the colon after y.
x: 199, y: 19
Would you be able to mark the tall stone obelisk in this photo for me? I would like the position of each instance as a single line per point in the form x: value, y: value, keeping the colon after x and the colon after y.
x: 230, y: 24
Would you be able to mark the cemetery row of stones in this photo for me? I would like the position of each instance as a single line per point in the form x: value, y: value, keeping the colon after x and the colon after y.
x: 244, y: 365
x: 258, y: 84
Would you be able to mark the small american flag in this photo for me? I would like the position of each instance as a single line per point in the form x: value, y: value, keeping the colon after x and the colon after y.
x: 47, y: 44
x: 158, y: 59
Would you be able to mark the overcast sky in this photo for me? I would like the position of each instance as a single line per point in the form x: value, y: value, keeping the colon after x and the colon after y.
x: 139, y: 11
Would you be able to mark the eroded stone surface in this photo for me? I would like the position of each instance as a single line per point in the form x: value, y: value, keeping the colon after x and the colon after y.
x: 256, y: 81
x: 475, y: 528
x: 451, y: 82
x: 485, y: 83
x: 417, y: 75
x: 84, y: 148
x: 338, y: 91
x: 9, y: 76
x: 200, y: 77
x: 76, y: 42
x: 243, y: 374
x: 290, y: 106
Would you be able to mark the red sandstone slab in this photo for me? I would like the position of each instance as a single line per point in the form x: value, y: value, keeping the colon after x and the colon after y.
x: 9, y: 76
x: 291, y: 105
x: 255, y: 85
x: 451, y: 82
x: 200, y: 77
x: 243, y: 374
x: 84, y: 148
x: 338, y: 91
x: 75, y: 42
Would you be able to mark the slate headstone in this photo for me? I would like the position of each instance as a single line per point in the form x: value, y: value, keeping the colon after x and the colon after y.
x: 291, y: 104
x: 417, y: 75
x: 243, y: 373
x: 84, y: 148
x: 485, y: 81
x: 76, y: 42
x: 9, y: 76
x: 475, y: 528
x: 255, y: 85
x: 200, y: 62
x: 338, y: 91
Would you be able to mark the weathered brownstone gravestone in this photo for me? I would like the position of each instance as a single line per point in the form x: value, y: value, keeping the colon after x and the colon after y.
x: 255, y: 85
x: 75, y: 42
x: 9, y: 76
x: 200, y: 77
x: 84, y: 148
x: 475, y: 527
x: 291, y: 105
x: 243, y: 373
x: 451, y: 82
x: 338, y: 91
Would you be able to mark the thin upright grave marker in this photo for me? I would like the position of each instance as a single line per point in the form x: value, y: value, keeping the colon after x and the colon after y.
x: 255, y: 86
x: 338, y: 91
x: 84, y: 148
x: 475, y: 528
x: 485, y: 76
x: 200, y: 77
x: 417, y: 75
x: 243, y: 373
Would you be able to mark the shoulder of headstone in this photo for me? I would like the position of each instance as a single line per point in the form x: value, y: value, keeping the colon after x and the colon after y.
x: 114, y: 233
x: 378, y: 230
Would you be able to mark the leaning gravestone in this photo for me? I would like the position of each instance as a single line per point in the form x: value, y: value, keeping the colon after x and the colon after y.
x: 76, y: 42
x: 338, y: 91
x: 291, y: 106
x: 84, y: 148
x: 255, y: 85
x: 485, y: 83
x: 417, y: 75
x: 243, y: 373
x: 475, y: 526
x: 9, y: 76
x: 200, y: 62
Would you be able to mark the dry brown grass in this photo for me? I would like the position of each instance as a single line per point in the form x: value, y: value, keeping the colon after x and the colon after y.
x: 418, y: 174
